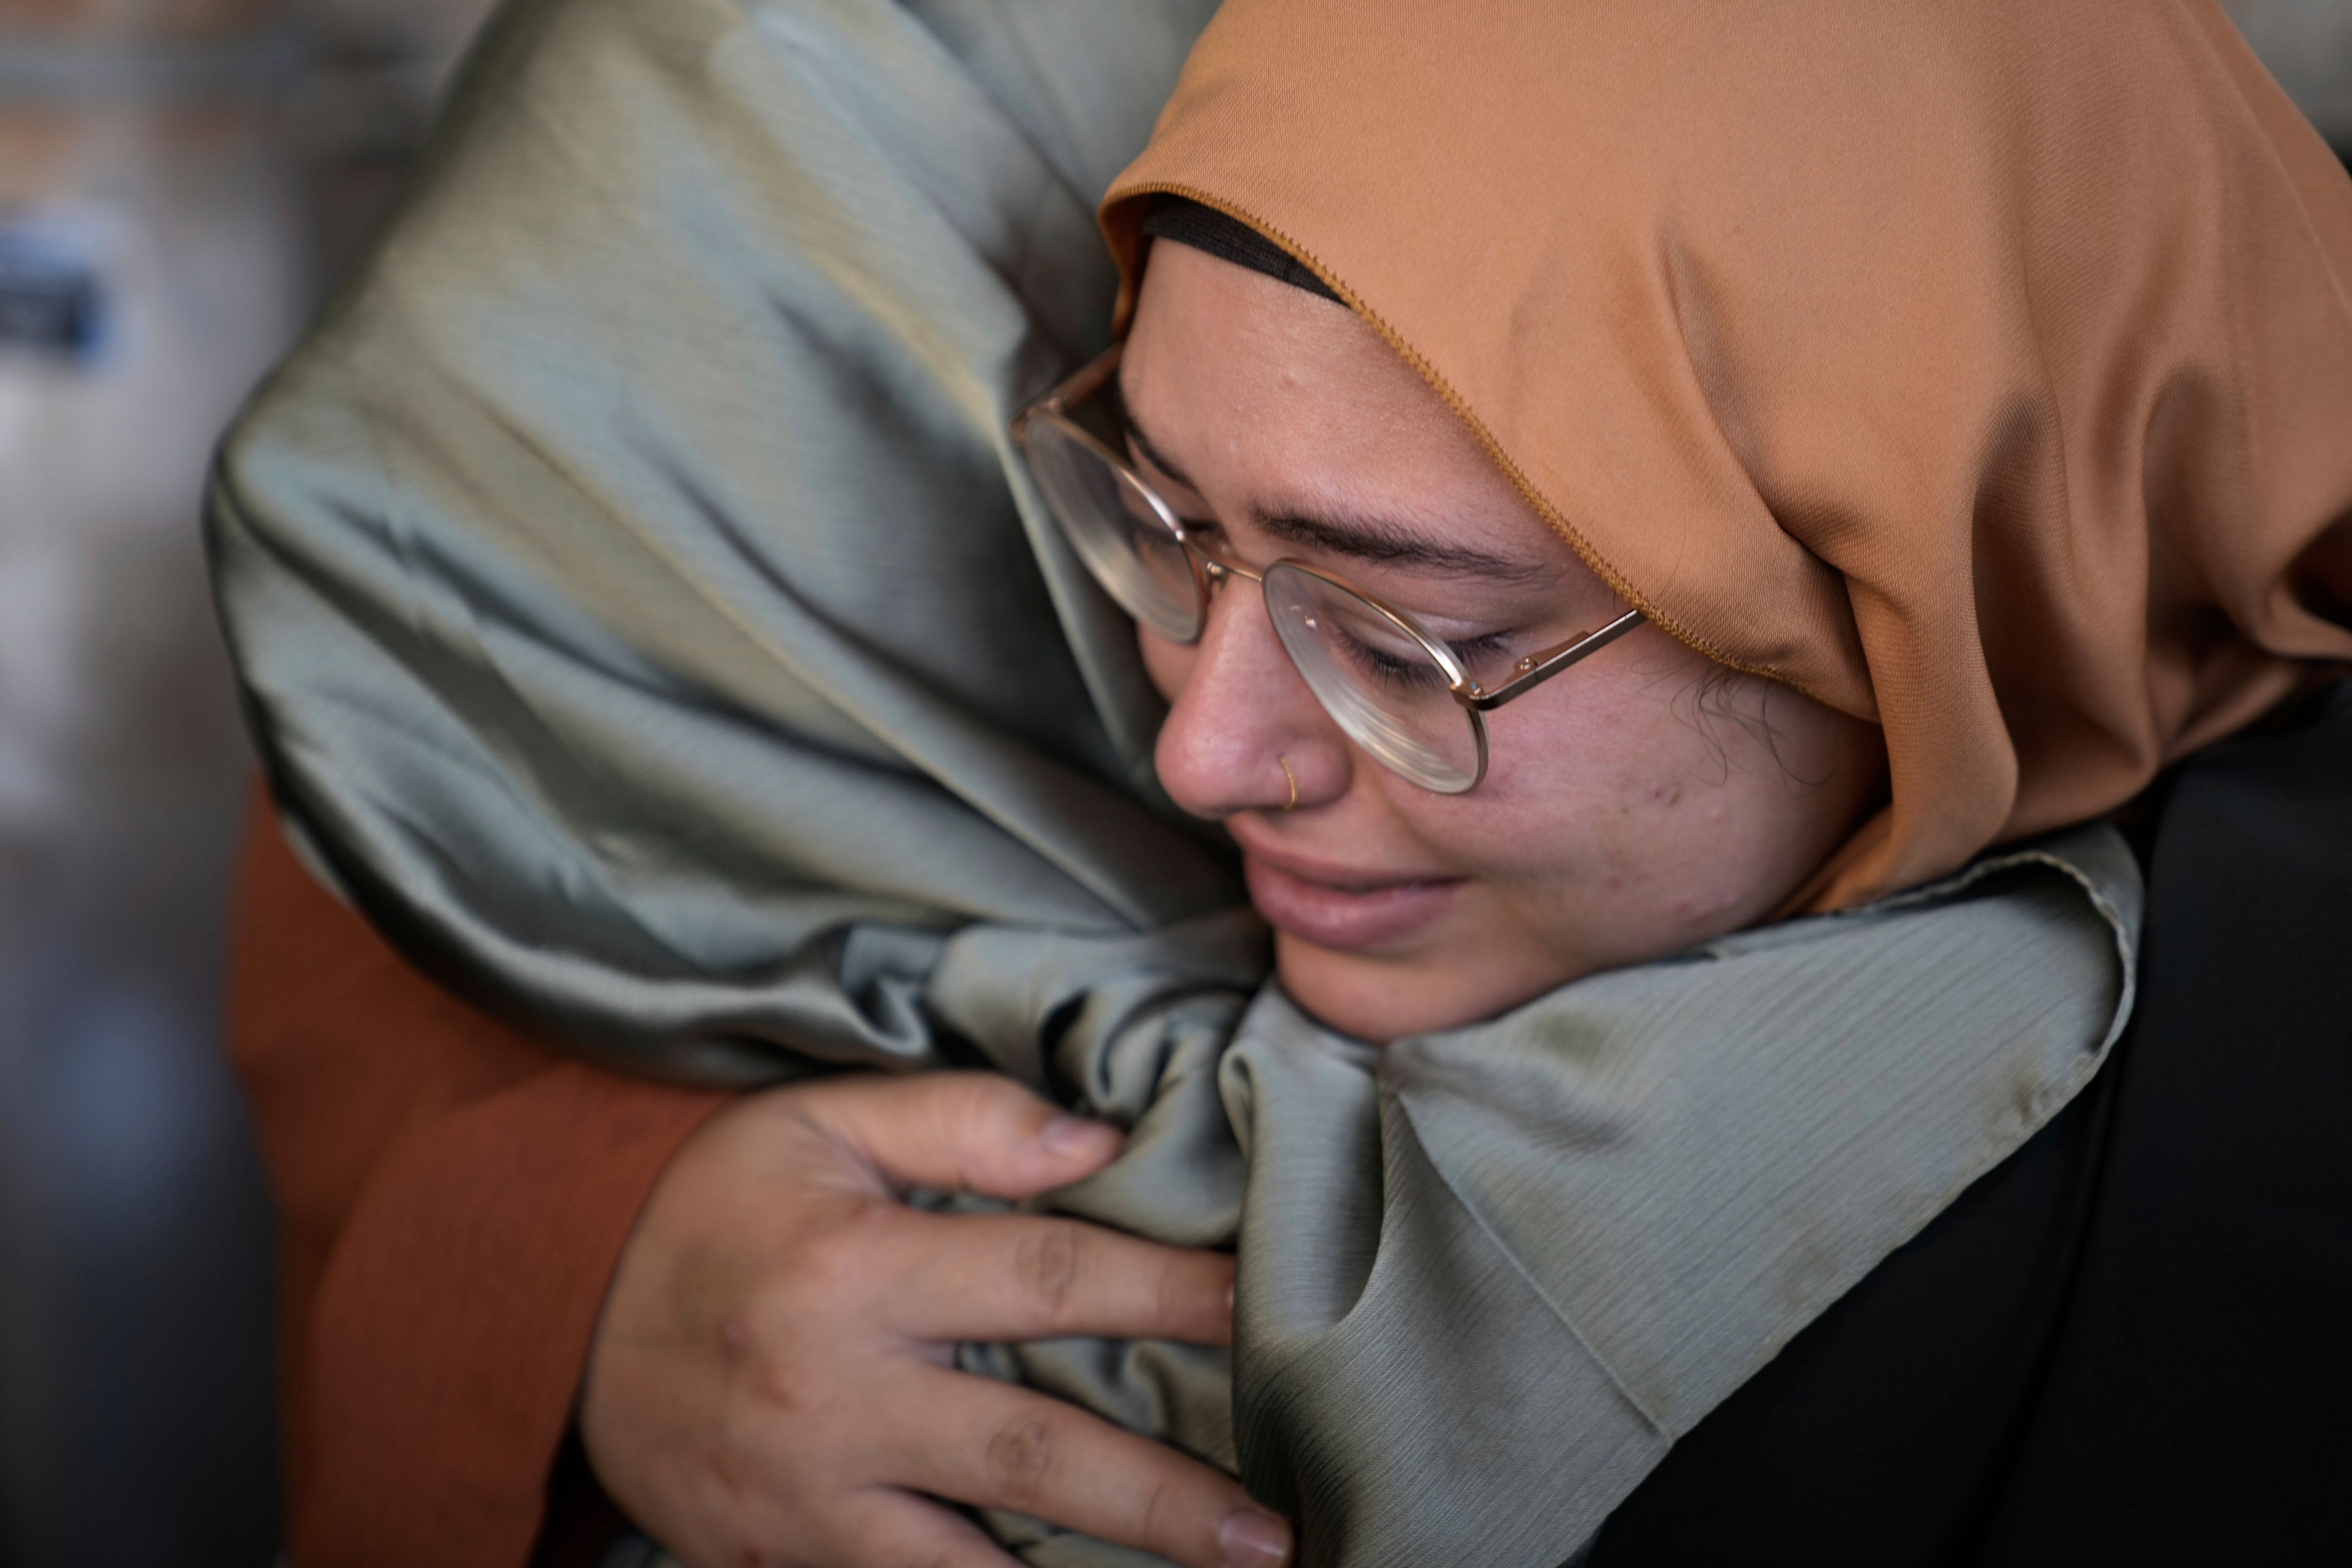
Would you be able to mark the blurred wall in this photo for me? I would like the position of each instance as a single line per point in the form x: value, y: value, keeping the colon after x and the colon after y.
x: 2307, y: 44
x: 177, y: 179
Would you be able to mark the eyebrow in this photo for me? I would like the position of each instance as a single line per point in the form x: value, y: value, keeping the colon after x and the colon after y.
x: 1361, y: 537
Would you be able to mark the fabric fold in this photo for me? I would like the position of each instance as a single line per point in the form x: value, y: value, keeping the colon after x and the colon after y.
x: 1488, y: 1277
x: 625, y: 575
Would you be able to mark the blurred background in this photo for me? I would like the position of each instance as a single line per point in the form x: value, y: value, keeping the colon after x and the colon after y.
x: 180, y: 182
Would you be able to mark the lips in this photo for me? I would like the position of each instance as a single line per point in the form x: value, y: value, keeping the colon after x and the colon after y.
x: 1334, y: 908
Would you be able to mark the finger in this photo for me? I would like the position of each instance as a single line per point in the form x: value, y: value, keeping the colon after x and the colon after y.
x: 993, y: 1445
x: 1023, y: 1276
x: 960, y: 1132
x: 887, y: 1528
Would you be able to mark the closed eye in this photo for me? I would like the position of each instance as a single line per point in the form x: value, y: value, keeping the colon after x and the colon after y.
x: 1473, y: 651
x: 1209, y: 535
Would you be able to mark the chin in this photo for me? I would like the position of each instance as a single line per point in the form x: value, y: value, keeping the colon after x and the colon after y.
x: 1380, y: 999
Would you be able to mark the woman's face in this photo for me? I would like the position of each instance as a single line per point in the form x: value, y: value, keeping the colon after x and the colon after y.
x: 1641, y: 801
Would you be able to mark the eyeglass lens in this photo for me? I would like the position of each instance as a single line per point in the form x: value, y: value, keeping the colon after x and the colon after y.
x: 1373, y: 678
x: 1117, y: 531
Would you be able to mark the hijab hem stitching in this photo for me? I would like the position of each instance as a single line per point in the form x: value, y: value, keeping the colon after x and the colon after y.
x: 1550, y: 513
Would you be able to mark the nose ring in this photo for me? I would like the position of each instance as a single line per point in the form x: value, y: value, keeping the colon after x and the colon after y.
x: 1292, y: 804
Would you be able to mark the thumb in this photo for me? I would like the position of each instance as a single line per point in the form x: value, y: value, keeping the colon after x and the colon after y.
x: 960, y: 1132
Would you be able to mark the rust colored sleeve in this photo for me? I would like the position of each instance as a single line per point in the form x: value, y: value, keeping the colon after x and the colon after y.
x: 453, y: 1196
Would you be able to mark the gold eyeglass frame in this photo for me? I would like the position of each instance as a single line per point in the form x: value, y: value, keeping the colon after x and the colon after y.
x: 1209, y: 573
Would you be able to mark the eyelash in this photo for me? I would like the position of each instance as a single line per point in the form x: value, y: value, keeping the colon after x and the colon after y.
x: 1393, y: 671
x: 1469, y: 651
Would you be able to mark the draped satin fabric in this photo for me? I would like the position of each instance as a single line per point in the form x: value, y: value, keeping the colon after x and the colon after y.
x: 1983, y: 370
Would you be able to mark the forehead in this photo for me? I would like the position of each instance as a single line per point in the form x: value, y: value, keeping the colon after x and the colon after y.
x: 1210, y: 338
x: 1271, y: 399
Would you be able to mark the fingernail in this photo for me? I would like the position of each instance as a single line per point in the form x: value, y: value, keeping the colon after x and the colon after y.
x: 1248, y: 1539
x: 1070, y: 1136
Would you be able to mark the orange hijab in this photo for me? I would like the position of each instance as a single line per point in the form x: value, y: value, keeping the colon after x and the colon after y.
x: 1983, y: 370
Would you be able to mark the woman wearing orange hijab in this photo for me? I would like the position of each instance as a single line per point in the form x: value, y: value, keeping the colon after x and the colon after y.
x: 1585, y: 481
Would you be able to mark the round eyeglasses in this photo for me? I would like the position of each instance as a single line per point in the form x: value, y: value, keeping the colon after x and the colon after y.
x: 1396, y: 691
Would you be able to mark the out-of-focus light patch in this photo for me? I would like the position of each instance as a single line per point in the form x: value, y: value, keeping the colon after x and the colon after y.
x: 43, y: 687
x: 52, y: 289
x: 119, y: 1081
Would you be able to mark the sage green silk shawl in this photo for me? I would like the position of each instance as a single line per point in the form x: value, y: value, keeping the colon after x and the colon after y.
x: 645, y: 619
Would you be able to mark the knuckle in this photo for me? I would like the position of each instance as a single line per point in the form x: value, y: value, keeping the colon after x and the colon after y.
x: 1175, y: 1299
x: 993, y: 1093
x: 834, y: 1267
x: 777, y: 1383
x: 744, y: 1349
x: 968, y: 1099
x: 983, y: 1117
x: 1048, y: 1260
x: 770, y: 1363
x: 1156, y: 1520
x: 728, y: 1467
x: 1021, y: 1459
x: 756, y: 1363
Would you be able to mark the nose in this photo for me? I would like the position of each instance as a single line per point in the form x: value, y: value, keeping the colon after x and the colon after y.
x: 1243, y: 711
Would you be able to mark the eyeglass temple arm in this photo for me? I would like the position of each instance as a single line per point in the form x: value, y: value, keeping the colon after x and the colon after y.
x: 1077, y: 386
x: 1538, y: 668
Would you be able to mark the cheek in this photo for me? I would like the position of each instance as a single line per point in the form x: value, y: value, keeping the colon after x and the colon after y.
x: 1693, y: 808
x: 1598, y: 790
x: 1168, y: 664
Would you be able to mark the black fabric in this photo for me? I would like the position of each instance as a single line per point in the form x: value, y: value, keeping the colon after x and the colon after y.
x: 2132, y: 1342
x: 1877, y: 1434
x: 1188, y: 222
